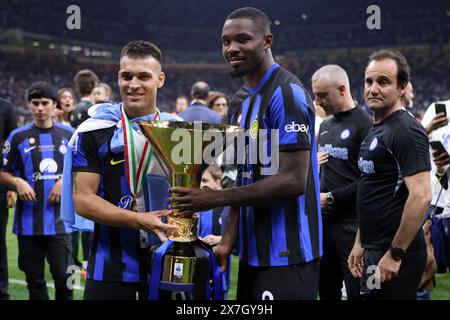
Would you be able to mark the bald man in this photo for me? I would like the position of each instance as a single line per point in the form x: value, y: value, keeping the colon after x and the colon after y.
x: 339, y: 140
x: 198, y: 109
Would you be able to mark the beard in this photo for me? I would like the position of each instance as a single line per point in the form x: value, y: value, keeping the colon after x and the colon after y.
x: 238, y: 73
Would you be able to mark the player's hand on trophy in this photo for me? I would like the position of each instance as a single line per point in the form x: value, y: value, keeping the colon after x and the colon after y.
x: 24, y: 190
x: 222, y: 252
x: 193, y: 199
x: 151, y: 222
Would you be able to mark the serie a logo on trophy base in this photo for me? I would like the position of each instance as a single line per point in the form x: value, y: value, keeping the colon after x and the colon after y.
x: 184, y: 263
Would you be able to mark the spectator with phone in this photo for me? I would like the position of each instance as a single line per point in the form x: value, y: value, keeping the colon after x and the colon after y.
x: 436, y: 116
x: 436, y: 123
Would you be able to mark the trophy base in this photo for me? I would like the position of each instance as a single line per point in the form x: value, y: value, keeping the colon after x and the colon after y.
x: 179, y: 267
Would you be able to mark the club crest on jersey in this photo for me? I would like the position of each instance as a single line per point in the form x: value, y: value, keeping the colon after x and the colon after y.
x: 373, y: 144
x: 254, y: 129
x: 63, y: 149
x: 31, y: 140
x: 345, y: 134
x: 6, y: 147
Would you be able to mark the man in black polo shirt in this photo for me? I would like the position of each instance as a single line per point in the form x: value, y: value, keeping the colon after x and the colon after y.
x: 339, y: 140
x: 394, y: 190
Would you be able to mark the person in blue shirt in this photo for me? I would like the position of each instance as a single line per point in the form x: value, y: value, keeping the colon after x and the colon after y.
x: 278, y: 213
x: 198, y: 109
x: 33, y: 166
x: 210, y: 222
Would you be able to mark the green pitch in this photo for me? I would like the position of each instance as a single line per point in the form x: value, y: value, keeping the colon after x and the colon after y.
x: 18, y: 289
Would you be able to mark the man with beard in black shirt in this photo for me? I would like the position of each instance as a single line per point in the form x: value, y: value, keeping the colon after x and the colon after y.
x: 339, y: 140
x: 394, y: 190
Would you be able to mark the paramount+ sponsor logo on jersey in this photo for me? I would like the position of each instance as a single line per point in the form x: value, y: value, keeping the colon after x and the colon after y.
x: 48, y: 168
x: 295, y: 127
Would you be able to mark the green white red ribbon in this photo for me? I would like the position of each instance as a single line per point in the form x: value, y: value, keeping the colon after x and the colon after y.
x: 136, y: 168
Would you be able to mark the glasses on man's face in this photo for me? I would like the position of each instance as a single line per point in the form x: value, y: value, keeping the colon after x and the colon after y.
x: 35, y: 103
x: 128, y: 76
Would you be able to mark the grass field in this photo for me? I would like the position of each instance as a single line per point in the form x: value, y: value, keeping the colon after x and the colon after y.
x: 18, y: 290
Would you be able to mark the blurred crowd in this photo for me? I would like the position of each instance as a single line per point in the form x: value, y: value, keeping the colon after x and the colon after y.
x: 18, y: 71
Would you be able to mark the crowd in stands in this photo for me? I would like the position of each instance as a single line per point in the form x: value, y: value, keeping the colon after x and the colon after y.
x: 18, y: 70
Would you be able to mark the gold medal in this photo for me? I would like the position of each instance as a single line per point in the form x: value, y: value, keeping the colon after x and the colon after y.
x: 134, y: 206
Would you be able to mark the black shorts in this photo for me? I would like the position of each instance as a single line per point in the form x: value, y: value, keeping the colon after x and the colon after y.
x: 294, y: 282
x: 403, y: 286
x: 104, y: 290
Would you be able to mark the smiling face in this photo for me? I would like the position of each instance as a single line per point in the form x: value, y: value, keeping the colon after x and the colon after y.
x: 381, y: 90
x: 139, y: 81
x: 244, y: 46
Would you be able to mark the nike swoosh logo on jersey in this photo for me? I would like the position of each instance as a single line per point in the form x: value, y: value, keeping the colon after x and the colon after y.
x: 322, y: 133
x: 113, y: 163
x: 29, y: 149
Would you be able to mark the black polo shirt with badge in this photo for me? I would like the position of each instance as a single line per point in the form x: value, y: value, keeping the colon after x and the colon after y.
x: 341, y: 137
x: 395, y: 148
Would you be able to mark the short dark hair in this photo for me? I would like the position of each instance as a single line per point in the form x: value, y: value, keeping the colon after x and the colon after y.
x: 42, y: 89
x: 257, y: 16
x: 141, y: 49
x: 85, y: 81
x: 403, y: 71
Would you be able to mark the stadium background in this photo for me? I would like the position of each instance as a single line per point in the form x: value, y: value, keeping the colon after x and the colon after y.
x: 35, y: 44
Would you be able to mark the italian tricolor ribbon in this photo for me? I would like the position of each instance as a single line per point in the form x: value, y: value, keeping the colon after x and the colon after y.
x: 136, y: 167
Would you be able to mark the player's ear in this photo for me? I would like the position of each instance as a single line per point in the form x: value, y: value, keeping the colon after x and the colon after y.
x: 268, y: 41
x: 341, y: 89
x: 161, y: 79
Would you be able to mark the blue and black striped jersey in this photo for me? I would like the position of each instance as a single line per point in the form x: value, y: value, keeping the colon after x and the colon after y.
x: 288, y: 231
x: 116, y: 254
x: 37, y: 156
